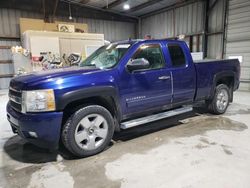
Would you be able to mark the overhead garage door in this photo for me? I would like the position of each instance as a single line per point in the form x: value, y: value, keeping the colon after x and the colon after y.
x: 238, y: 37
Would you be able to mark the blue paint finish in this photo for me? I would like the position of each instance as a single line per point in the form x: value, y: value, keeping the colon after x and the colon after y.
x: 47, y: 126
x: 206, y: 73
x: 184, y: 78
x: 135, y: 92
x: 145, y: 85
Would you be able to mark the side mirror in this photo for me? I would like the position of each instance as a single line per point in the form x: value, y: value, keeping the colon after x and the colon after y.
x: 138, y: 64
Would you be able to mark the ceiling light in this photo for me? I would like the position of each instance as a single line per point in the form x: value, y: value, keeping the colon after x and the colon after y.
x: 126, y: 6
x: 70, y: 16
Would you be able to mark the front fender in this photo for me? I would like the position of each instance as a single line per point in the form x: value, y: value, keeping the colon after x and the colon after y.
x: 63, y: 99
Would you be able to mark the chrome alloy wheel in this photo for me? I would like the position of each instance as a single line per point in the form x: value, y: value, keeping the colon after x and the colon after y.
x: 222, y: 100
x: 91, y: 131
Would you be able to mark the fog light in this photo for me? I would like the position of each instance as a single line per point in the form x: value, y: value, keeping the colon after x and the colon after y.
x: 33, y: 134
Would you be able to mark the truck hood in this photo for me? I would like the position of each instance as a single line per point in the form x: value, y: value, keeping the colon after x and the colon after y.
x: 20, y: 82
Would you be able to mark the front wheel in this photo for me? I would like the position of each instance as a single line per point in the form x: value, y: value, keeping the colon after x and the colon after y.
x: 220, y: 101
x: 88, y: 131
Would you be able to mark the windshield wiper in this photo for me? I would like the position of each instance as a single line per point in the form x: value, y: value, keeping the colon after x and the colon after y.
x: 91, y: 65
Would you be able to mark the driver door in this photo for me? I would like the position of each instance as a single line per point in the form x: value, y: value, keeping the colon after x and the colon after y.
x: 148, y: 89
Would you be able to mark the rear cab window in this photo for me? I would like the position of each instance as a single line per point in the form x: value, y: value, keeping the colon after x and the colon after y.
x: 177, y: 55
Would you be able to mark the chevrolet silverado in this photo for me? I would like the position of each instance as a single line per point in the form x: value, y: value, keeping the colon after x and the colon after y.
x: 121, y: 85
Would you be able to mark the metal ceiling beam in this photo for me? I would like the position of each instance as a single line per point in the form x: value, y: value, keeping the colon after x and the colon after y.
x: 44, y: 9
x: 49, y: 8
x: 213, y: 5
x: 101, y: 10
x: 176, y: 5
x: 78, y: 9
x: 114, y: 4
x: 54, y: 10
x: 84, y: 1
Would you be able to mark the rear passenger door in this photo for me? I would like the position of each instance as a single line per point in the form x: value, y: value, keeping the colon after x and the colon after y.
x: 183, y: 73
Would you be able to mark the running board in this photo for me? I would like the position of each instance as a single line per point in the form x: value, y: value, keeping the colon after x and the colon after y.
x: 155, y: 117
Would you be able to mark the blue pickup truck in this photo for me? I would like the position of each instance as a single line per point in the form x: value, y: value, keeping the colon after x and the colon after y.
x: 121, y: 85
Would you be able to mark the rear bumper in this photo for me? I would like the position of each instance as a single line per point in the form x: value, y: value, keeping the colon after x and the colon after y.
x: 41, y: 129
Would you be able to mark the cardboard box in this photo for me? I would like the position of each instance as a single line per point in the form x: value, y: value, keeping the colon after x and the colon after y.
x: 40, y: 25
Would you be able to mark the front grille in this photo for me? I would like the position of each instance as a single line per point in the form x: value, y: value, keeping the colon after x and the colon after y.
x: 14, y: 92
x: 15, y: 97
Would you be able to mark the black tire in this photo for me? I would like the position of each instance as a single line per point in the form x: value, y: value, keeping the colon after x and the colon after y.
x: 212, y: 104
x: 69, y: 128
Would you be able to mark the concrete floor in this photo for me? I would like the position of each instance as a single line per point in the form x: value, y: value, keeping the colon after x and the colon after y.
x: 201, y: 150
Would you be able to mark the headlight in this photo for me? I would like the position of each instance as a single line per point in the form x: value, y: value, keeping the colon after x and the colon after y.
x: 38, y: 100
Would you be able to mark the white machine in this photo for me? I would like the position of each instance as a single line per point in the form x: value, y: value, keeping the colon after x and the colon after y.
x: 59, y: 44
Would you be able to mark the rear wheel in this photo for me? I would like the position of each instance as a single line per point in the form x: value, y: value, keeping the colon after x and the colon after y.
x: 220, y: 101
x: 88, y: 131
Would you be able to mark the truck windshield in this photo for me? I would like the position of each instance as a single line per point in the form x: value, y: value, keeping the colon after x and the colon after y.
x: 106, y: 56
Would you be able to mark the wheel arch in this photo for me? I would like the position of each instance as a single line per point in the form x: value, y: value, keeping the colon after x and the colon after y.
x: 227, y: 78
x: 105, y: 96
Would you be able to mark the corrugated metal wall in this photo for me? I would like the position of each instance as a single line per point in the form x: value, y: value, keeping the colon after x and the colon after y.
x: 113, y: 30
x: 6, y: 67
x: 183, y: 20
x: 238, y: 37
x: 158, y: 26
x: 216, y: 25
x: 189, y: 20
x: 9, y: 27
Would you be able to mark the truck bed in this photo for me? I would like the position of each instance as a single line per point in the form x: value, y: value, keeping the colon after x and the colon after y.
x: 205, y: 79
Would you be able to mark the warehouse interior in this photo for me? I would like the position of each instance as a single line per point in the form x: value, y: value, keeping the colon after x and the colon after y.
x: 195, y: 149
x: 217, y: 28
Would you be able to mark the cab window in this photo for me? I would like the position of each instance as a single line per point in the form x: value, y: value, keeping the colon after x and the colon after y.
x: 152, y: 53
x: 177, y: 55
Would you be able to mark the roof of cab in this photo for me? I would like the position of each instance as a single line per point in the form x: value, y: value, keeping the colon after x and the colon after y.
x: 133, y: 41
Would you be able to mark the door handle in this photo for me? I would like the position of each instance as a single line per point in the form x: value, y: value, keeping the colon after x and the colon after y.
x: 164, y: 77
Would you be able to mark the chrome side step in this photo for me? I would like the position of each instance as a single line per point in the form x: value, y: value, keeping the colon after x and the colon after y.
x: 155, y: 117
